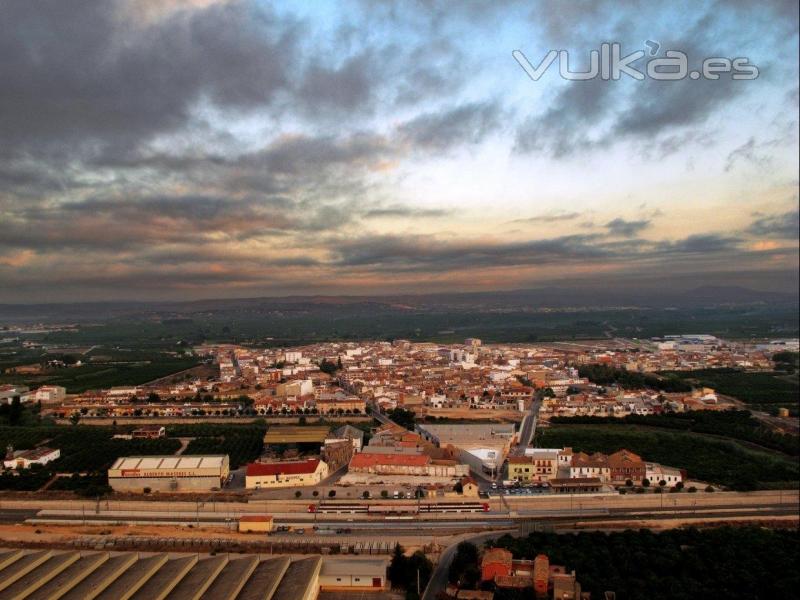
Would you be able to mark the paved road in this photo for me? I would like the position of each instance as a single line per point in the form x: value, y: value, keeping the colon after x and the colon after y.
x: 438, y: 579
x: 529, y: 425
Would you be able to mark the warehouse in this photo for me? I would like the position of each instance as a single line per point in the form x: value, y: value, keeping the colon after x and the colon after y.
x: 285, y: 474
x: 353, y: 574
x: 168, y: 473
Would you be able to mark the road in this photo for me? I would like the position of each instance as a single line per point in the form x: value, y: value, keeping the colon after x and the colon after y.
x: 438, y: 580
x: 529, y: 425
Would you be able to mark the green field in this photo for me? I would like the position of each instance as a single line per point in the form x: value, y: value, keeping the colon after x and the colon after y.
x: 736, y: 424
x: 105, y: 375
x: 760, y: 390
x: 721, y: 462
x: 84, y: 449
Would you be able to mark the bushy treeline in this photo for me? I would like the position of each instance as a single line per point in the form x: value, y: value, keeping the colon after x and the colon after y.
x: 746, y: 563
x: 405, y: 571
x: 85, y: 450
x: 722, y: 462
x: 736, y: 424
x: 607, y: 375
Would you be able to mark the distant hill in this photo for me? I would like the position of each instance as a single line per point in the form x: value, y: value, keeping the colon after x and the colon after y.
x: 559, y: 298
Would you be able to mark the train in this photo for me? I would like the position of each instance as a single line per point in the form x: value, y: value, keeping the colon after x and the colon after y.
x: 398, y: 508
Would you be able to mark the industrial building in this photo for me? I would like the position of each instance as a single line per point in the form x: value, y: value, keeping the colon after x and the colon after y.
x: 73, y: 575
x: 285, y: 474
x: 23, y: 459
x: 169, y: 473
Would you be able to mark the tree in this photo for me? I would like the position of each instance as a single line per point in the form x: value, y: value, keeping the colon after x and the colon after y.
x: 464, y: 568
x: 153, y: 398
x: 645, y: 482
x: 662, y: 483
x: 15, y: 411
x: 332, y: 494
x: 384, y: 494
x: 365, y: 494
x: 75, y: 418
x: 629, y: 482
x: 298, y: 493
x: 679, y: 486
x: 710, y: 489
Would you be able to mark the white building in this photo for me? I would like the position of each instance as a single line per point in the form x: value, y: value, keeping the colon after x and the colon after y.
x: 285, y: 474
x: 23, y: 459
x: 657, y: 473
x: 51, y: 394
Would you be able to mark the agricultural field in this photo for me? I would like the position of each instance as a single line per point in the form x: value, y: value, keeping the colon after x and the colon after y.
x: 717, y: 461
x: 98, y: 375
x: 85, y: 450
x: 736, y: 424
x: 760, y: 390
x: 242, y: 443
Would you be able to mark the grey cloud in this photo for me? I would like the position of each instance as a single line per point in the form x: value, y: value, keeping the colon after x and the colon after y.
x: 783, y: 226
x: 406, y: 212
x: 421, y: 253
x: 465, y: 124
x: 75, y: 74
x: 564, y: 127
x: 549, y: 218
x: 621, y: 227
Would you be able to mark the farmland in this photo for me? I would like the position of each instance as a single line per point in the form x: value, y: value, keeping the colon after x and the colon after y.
x: 722, y: 462
x: 761, y: 391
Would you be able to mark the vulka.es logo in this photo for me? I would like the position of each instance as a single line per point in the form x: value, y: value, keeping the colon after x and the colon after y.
x: 608, y: 63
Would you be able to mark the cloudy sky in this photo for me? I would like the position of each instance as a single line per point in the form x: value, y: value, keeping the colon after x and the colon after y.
x: 203, y: 148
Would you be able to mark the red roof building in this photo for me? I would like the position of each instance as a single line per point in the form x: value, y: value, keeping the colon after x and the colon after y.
x: 496, y: 562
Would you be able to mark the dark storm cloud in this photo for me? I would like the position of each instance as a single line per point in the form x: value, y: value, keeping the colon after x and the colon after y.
x: 339, y: 89
x: 466, y: 124
x: 79, y: 73
x: 621, y: 227
x: 551, y: 218
x: 563, y: 128
x: 783, y: 226
x: 700, y: 244
x: 406, y: 212
x: 661, y: 117
x: 125, y: 224
x: 427, y: 253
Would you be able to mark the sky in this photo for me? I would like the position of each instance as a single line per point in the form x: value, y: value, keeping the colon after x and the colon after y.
x: 237, y: 148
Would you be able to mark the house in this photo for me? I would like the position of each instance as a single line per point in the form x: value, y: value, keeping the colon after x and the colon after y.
x: 149, y: 432
x: 356, y: 575
x: 23, y: 459
x: 347, y: 432
x: 584, y: 465
x: 50, y: 394
x: 469, y: 487
x: 496, y: 562
x: 255, y: 524
x: 625, y: 465
x: 657, y: 473
x: 285, y: 474
x: 539, y: 466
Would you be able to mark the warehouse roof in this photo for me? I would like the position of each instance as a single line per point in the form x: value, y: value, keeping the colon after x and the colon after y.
x: 400, y: 460
x: 297, y: 467
x: 296, y: 435
x: 170, y: 462
x: 74, y: 576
